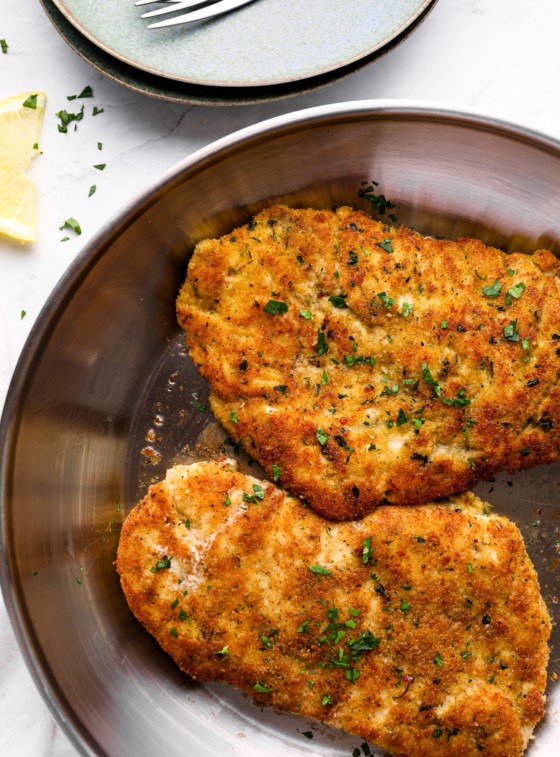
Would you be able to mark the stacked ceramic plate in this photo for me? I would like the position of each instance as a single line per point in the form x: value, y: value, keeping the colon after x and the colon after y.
x: 265, y: 50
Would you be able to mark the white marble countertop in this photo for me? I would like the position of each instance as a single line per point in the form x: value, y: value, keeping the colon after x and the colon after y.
x: 501, y: 57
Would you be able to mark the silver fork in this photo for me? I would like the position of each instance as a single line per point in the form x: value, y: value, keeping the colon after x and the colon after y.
x: 214, y: 9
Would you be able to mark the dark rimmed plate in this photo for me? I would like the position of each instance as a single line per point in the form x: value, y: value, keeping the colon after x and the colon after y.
x: 168, y: 89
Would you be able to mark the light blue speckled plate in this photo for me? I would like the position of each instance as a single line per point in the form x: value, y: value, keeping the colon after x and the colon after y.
x: 263, y: 43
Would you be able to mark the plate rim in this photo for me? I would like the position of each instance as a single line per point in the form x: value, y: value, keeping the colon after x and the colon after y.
x: 411, y: 22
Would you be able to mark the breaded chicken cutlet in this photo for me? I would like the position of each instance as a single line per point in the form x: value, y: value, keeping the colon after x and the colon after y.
x: 362, y: 364
x: 420, y: 629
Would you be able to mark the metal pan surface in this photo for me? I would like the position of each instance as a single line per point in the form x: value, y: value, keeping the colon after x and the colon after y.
x: 102, y: 402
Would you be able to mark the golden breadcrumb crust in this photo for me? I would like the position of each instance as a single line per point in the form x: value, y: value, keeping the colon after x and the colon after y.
x: 389, y: 368
x: 420, y: 629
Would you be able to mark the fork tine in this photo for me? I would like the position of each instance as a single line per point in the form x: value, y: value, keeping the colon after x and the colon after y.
x: 212, y: 10
x: 147, y: 2
x: 178, y: 5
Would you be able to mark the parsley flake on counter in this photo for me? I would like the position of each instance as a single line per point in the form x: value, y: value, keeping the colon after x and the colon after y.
x: 275, y: 307
x: 67, y: 118
x: 86, y: 92
x: 71, y: 223
x: 100, y: 166
x: 22, y: 315
x: 3, y: 46
x: 96, y: 111
x: 92, y: 190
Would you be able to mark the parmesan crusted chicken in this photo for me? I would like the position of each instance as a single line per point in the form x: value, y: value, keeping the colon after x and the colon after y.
x: 420, y: 629
x: 362, y: 364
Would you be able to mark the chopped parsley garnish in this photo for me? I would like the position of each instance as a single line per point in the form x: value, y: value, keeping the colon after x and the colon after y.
x: 401, y: 417
x: 405, y: 606
x: 3, y: 46
x: 322, y: 436
x: 510, y: 331
x: 22, y: 315
x: 92, y: 190
x: 173, y: 632
x: 514, y: 293
x: 378, y: 202
x: 366, y: 550
x: 233, y: 417
x: 386, y: 300
x: 71, y: 223
x: 492, y: 290
x: 339, y: 301
x: 100, y: 145
x: 31, y: 102
x: 386, y: 245
x: 406, y: 309
x: 322, y: 346
x: 275, y: 307
x: 261, y: 689
x: 223, y: 652
x: 200, y: 406
x: 438, y: 660
x: 305, y: 314
x: 276, y: 472
x: 486, y: 620
x: 325, y: 700
x: 100, y: 166
x: 161, y: 565
x: 444, y: 324
x: 96, y: 111
x: 259, y: 492
x: 319, y: 570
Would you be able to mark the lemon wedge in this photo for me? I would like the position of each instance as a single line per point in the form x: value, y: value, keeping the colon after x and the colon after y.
x: 21, y: 119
